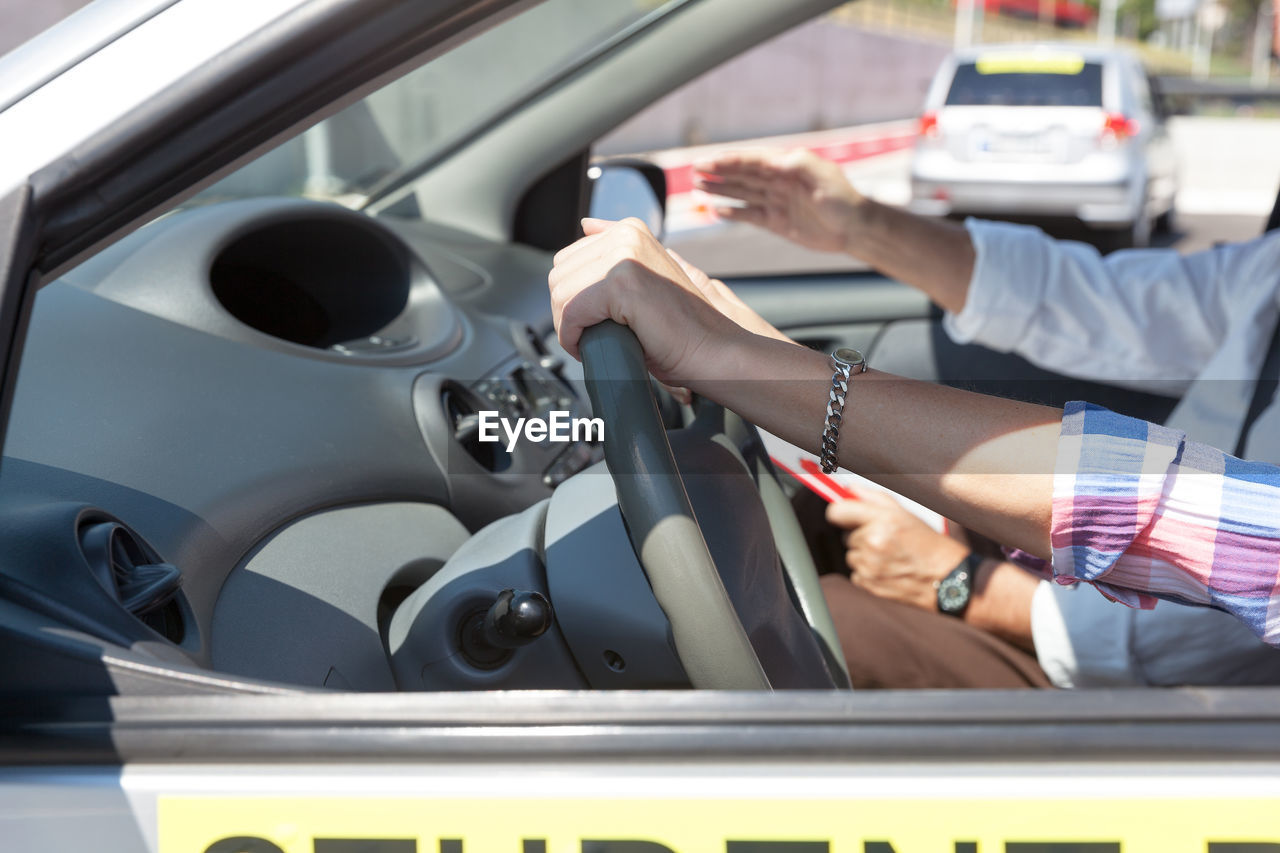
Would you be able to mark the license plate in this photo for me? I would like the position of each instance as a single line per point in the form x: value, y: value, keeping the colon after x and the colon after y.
x: 1035, y: 145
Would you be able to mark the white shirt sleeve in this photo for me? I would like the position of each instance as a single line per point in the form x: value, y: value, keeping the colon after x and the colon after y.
x: 1138, y: 315
x: 1081, y: 638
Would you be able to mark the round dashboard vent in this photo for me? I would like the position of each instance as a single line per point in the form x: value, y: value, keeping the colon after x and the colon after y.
x: 140, y: 580
x: 462, y: 413
x: 315, y: 282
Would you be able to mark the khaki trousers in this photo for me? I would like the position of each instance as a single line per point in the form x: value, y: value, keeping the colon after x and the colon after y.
x: 888, y: 644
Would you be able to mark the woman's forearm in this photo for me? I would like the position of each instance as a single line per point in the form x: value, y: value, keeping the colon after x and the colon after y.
x: 934, y: 255
x: 986, y: 462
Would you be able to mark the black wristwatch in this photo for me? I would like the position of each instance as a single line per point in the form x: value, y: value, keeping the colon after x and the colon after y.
x: 955, y: 591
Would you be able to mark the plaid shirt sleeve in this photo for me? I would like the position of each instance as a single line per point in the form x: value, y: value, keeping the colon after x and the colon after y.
x: 1143, y: 513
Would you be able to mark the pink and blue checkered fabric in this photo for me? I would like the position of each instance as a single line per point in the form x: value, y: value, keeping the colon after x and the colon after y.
x: 1144, y: 513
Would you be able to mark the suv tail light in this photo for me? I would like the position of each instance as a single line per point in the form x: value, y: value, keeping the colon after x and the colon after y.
x: 1118, y: 127
x: 929, y: 126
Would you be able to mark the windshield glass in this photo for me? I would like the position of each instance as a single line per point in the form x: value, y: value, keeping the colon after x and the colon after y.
x: 976, y: 84
x: 407, y: 122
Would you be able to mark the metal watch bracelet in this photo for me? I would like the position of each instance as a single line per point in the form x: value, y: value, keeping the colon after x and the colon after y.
x: 845, y: 362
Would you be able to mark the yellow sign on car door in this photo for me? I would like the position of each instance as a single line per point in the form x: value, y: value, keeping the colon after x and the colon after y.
x: 356, y: 824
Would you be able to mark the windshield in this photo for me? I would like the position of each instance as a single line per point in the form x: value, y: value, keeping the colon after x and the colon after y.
x: 407, y: 122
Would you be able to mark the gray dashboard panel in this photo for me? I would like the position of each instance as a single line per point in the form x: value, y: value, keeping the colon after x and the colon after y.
x: 790, y: 301
x: 206, y: 439
x: 304, y: 608
x: 235, y: 438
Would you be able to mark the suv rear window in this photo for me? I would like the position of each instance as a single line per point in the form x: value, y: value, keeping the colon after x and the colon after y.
x: 1001, y: 84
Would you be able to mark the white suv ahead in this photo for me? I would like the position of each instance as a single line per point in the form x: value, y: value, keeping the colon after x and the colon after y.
x: 1046, y: 130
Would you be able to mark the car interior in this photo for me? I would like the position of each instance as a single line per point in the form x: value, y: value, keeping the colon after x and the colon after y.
x: 243, y: 452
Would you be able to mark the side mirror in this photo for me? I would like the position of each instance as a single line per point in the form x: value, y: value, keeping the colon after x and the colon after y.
x: 629, y: 187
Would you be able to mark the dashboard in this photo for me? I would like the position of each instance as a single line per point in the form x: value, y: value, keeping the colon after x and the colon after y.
x: 277, y: 400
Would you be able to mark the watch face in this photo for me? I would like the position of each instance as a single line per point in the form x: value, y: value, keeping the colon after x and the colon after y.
x: 953, y: 593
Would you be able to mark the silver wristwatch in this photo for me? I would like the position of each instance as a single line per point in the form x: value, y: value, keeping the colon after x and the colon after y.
x: 845, y: 362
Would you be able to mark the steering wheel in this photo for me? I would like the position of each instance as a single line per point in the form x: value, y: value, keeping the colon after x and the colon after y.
x: 708, y: 634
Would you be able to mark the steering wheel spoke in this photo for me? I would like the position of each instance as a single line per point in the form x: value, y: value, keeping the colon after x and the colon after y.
x: 710, y: 639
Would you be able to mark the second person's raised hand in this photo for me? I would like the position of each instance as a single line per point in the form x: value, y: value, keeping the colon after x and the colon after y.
x: 795, y: 194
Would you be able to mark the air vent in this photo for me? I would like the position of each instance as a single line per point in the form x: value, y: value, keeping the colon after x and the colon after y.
x: 316, y: 282
x: 135, y: 574
x: 462, y: 413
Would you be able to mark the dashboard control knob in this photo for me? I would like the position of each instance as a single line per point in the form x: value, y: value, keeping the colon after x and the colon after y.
x: 516, y: 618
